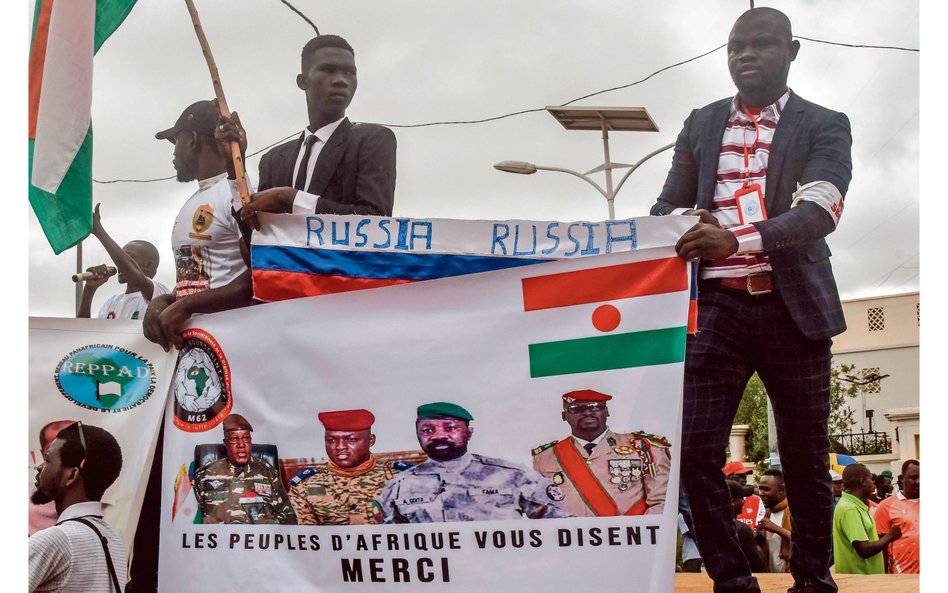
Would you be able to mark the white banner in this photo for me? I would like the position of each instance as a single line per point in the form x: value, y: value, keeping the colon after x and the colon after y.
x: 106, y: 374
x: 498, y: 238
x: 504, y: 346
x: 296, y: 255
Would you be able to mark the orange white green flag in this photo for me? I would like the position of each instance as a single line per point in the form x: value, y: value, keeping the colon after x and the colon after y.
x: 66, y: 35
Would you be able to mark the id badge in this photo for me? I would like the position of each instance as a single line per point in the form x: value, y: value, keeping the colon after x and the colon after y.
x: 750, y: 204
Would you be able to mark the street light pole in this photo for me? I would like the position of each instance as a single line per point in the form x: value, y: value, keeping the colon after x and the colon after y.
x: 609, y: 192
x: 599, y: 188
x: 610, y: 195
x: 628, y: 119
x: 640, y: 161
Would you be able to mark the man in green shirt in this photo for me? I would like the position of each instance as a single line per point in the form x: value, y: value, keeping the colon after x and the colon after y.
x: 856, y: 545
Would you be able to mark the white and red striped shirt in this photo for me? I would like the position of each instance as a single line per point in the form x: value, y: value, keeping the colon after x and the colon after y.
x: 738, y: 133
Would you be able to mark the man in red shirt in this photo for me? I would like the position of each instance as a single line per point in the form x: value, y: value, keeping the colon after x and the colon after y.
x: 752, y: 510
x: 902, y: 510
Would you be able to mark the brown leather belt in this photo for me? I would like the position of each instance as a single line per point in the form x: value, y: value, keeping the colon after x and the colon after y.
x: 753, y: 284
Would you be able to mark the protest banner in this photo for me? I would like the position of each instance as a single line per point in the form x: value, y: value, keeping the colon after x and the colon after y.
x: 308, y: 255
x: 106, y: 374
x: 504, y: 346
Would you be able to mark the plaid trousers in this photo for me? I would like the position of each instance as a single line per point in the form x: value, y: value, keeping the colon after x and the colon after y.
x: 739, y: 334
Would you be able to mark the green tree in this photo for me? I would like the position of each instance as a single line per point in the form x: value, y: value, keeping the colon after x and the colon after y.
x: 841, y: 392
x: 753, y: 412
x: 753, y: 409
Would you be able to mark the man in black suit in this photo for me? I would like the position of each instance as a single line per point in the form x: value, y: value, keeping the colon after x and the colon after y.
x: 766, y: 172
x: 334, y: 166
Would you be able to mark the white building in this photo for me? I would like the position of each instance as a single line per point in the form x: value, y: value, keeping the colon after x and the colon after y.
x: 882, y: 340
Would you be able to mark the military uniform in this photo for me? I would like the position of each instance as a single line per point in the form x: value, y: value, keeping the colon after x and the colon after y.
x: 469, y: 488
x: 626, y: 473
x: 251, y: 493
x: 332, y: 496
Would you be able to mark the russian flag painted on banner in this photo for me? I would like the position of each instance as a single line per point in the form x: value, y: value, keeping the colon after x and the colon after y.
x: 66, y: 35
x: 284, y: 272
x: 612, y: 340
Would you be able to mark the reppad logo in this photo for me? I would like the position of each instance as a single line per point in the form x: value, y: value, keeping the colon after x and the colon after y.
x: 105, y: 378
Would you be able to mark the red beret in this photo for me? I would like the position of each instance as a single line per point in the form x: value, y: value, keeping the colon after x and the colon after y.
x: 347, y: 420
x: 585, y: 395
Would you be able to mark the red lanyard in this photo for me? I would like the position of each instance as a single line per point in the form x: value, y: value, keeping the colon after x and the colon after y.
x: 746, y: 172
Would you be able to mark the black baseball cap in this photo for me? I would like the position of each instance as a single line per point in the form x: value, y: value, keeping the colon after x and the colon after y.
x: 200, y: 117
x: 739, y: 491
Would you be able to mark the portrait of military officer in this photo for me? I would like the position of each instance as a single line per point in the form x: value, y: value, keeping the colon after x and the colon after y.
x: 456, y: 485
x: 241, y: 488
x: 343, y: 492
x: 601, y: 472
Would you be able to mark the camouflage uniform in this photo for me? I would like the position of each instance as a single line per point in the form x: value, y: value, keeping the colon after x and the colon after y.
x: 470, y: 488
x: 321, y: 496
x: 250, y: 493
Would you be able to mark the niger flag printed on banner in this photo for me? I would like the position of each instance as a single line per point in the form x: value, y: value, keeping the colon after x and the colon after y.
x: 598, y: 303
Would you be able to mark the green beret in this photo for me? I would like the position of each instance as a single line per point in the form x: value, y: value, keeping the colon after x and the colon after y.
x: 443, y: 410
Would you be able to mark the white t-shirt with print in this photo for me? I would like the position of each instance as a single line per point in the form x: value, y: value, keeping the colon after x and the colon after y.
x: 206, y: 237
x: 129, y: 305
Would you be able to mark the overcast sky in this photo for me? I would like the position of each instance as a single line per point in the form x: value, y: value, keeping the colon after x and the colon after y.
x: 423, y: 61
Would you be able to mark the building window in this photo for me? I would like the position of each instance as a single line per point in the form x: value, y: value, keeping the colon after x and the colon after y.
x: 876, y: 319
x: 871, y: 386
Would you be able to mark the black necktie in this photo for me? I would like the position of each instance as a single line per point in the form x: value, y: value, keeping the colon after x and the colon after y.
x: 304, y: 164
x: 589, y: 448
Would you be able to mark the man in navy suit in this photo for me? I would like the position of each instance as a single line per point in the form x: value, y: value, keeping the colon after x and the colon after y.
x: 334, y: 166
x: 765, y: 172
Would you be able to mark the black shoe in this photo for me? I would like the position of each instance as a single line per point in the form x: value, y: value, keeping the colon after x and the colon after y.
x: 809, y: 587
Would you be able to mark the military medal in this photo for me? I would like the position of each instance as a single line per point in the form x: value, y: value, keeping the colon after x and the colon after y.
x: 554, y: 493
x: 558, y: 478
x: 623, y: 449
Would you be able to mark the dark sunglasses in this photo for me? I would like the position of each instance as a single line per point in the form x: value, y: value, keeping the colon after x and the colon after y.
x: 82, y: 441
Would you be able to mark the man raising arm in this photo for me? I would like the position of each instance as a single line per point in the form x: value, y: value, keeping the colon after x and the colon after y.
x: 137, y: 264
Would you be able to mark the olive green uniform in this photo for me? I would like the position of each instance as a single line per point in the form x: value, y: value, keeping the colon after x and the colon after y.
x: 250, y: 493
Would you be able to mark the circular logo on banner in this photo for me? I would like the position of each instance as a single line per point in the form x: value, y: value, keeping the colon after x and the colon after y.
x: 105, y: 378
x: 202, y: 396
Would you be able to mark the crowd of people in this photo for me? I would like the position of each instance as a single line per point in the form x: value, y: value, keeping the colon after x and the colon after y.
x: 875, y: 526
x: 764, y: 171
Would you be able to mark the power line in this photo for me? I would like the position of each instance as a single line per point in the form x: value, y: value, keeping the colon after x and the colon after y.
x: 134, y: 180
x: 302, y: 16
x: 571, y: 101
x: 659, y: 71
x: 901, y: 266
x: 524, y: 111
x: 858, y: 46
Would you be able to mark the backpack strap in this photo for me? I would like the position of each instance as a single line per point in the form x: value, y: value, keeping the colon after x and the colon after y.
x: 105, y: 548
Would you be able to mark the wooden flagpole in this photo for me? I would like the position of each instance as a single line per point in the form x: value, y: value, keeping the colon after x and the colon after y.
x: 221, y: 101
